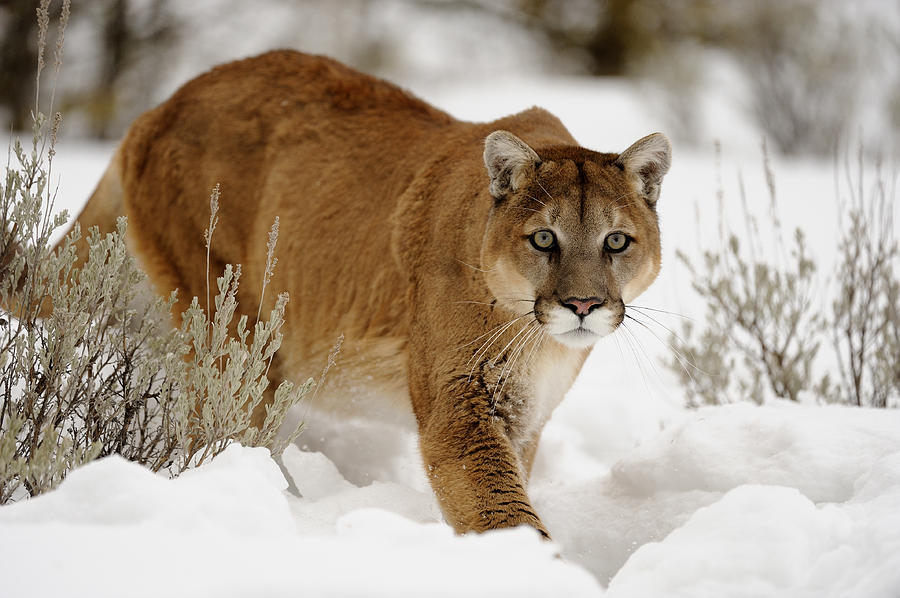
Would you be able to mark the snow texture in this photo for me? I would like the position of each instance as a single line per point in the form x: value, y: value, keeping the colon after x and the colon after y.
x: 780, y: 500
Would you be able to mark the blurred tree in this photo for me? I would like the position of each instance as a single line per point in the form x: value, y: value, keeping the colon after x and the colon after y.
x: 802, y: 60
x: 125, y: 32
x: 18, y: 60
x: 602, y: 37
x: 803, y: 71
x: 802, y: 63
x: 128, y: 33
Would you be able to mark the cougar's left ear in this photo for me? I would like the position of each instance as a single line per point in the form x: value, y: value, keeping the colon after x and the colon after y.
x: 509, y: 162
x: 647, y: 160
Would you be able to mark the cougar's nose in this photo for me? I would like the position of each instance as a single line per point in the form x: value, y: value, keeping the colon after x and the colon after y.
x: 582, y: 307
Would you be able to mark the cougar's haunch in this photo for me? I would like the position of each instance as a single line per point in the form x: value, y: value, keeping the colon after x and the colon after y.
x: 471, y: 265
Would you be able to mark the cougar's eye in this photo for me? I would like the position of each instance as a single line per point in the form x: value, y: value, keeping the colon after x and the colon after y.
x: 616, y: 242
x: 543, y: 240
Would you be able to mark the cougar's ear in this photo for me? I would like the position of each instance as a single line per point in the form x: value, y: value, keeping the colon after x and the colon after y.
x: 509, y: 162
x: 647, y: 160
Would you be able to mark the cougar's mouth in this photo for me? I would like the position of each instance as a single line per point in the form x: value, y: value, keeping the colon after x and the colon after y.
x: 578, y: 331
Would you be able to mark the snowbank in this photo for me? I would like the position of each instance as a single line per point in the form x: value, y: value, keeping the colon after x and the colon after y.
x: 227, y: 529
x: 780, y: 500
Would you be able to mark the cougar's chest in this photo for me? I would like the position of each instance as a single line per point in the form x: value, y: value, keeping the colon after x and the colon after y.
x: 545, y: 384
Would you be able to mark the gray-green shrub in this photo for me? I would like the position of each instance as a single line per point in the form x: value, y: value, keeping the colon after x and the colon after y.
x: 106, y: 372
x: 762, y: 331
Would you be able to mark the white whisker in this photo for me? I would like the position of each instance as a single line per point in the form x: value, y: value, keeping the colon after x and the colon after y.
x: 544, y: 190
x: 514, y: 357
x: 489, y: 332
x: 671, y: 313
x: 476, y: 268
x: 493, y: 361
x: 637, y: 358
x: 482, y: 351
x: 680, y: 357
x: 536, y: 199
x: 657, y: 322
x: 643, y: 350
x: 540, y: 341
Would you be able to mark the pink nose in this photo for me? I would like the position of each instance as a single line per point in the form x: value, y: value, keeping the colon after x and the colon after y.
x: 582, y: 307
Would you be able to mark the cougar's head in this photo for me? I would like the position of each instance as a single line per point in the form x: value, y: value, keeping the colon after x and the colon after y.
x: 573, y: 234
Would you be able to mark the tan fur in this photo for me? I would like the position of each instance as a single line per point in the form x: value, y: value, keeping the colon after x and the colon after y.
x: 395, y: 234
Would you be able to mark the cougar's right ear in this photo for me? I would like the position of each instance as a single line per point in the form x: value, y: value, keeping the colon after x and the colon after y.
x: 509, y: 162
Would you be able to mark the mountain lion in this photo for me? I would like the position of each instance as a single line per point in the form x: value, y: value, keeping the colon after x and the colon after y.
x: 469, y: 265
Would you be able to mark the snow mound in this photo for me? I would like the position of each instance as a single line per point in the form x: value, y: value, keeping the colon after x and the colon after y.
x: 228, y: 528
x: 239, y: 491
x: 782, y: 500
x: 774, y: 501
x: 821, y: 451
x: 772, y: 541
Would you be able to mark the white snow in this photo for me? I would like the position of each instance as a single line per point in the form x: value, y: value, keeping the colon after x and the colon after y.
x: 229, y: 529
x: 642, y: 497
x: 740, y: 500
x: 778, y: 491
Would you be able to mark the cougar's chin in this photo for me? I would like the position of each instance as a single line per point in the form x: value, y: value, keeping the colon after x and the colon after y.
x: 572, y: 331
x: 578, y: 338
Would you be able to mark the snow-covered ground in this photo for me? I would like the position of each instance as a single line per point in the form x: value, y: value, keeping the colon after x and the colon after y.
x: 642, y: 497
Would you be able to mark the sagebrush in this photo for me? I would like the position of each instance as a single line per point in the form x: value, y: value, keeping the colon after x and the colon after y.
x: 763, y: 332
x: 106, y: 372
